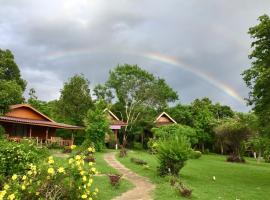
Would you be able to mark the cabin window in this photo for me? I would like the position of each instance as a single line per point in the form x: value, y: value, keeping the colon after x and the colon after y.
x: 19, y: 130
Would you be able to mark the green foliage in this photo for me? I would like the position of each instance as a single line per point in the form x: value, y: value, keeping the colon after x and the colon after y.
x: 9, y: 70
x: 172, y: 154
x: 10, y: 93
x: 75, y: 101
x: 72, y: 180
x: 138, y: 94
x: 165, y: 132
x: 195, y: 154
x: 235, y: 132
x: 257, y: 77
x: 16, y: 157
x: 97, y: 125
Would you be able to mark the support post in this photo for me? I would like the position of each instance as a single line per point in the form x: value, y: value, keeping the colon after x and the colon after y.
x: 72, y: 137
x: 47, y: 134
x: 30, y: 132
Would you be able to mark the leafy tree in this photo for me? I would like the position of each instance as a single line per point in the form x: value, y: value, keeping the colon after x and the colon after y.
x: 46, y: 108
x: 103, y: 93
x: 97, y: 126
x: 75, y: 101
x: 236, y: 132
x: 257, y: 77
x: 203, y: 121
x: 136, y: 90
x: 10, y: 93
x: 182, y: 114
x: 165, y: 132
x: 9, y: 70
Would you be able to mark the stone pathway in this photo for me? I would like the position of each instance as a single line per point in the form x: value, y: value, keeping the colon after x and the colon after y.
x: 143, y: 187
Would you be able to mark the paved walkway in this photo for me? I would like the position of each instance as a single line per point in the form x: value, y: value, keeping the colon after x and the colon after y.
x: 143, y: 187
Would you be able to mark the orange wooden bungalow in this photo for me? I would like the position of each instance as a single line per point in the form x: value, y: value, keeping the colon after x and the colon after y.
x: 25, y: 121
x: 115, y: 124
x: 164, y: 119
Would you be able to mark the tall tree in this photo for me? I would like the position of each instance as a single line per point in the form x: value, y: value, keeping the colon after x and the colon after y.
x: 75, y: 100
x: 136, y: 90
x: 10, y: 93
x: 257, y: 77
x: 9, y: 69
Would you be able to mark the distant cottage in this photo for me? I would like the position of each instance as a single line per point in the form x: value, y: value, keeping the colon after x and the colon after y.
x: 115, y: 124
x: 164, y: 119
x: 25, y: 121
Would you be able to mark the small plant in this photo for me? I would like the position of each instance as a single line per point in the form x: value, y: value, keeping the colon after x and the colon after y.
x: 234, y: 158
x: 183, y: 190
x: 67, y: 149
x: 138, y: 161
x: 195, y: 154
x: 114, y: 179
x: 172, y: 154
x: 123, y: 152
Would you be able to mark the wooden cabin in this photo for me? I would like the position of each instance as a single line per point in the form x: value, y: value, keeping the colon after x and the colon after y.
x: 115, y: 124
x: 25, y: 121
x: 164, y: 119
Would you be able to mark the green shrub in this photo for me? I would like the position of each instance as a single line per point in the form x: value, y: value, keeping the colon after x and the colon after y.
x: 152, y: 145
x: 164, y: 132
x: 195, y: 154
x: 73, y: 180
x: 172, y: 154
x: 15, y: 158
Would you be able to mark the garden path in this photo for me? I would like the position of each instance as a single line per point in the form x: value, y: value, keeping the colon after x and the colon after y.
x: 143, y: 187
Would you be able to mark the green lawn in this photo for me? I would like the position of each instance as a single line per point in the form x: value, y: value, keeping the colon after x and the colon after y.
x: 101, y: 181
x: 248, y: 181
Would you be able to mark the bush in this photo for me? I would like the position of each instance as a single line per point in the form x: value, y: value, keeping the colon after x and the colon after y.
x: 164, y: 132
x: 15, y: 158
x: 234, y: 158
x: 138, y: 161
x: 49, y: 181
x: 172, y: 154
x: 115, y: 179
x: 152, y: 145
x: 195, y: 154
x: 183, y: 190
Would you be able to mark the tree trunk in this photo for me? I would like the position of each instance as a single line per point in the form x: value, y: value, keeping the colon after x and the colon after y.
x: 259, y: 156
x: 221, y: 149
x: 202, y: 147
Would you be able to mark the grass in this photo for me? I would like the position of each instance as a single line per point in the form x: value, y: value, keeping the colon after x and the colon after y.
x: 250, y: 181
x: 107, y: 191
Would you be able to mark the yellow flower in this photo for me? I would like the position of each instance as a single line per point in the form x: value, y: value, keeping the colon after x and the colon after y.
x: 14, y: 177
x: 93, y: 169
x: 84, y: 178
x: 90, y: 163
x: 82, y: 173
x: 50, y: 158
x: 29, y: 173
x: 71, y: 160
x: 61, y: 170
x: 90, y: 149
x: 96, y: 189
x: 23, y: 187
x: 90, y: 198
x: 11, y: 197
x: 84, y: 196
x: 37, y: 193
x: 78, y: 157
x: 24, y: 177
x: 73, y: 147
x: 51, y: 171
x: 6, y: 186
x: 2, y: 194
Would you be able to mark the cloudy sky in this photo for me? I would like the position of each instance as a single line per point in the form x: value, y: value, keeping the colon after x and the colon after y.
x: 199, y: 47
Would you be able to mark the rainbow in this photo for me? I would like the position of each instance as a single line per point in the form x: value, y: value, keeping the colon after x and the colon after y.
x: 208, y: 78
x: 163, y: 59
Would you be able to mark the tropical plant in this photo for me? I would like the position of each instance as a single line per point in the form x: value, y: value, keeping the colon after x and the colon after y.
x: 72, y: 180
x: 97, y: 126
x: 172, y: 153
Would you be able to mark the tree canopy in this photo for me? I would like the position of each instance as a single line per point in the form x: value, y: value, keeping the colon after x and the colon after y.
x: 257, y: 77
x: 75, y: 101
x: 9, y: 69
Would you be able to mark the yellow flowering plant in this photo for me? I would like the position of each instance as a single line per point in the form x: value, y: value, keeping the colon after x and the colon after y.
x: 72, y: 180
